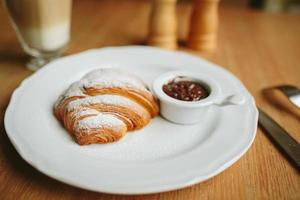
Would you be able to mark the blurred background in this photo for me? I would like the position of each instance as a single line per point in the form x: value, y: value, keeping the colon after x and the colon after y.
x: 269, y: 5
x: 96, y: 20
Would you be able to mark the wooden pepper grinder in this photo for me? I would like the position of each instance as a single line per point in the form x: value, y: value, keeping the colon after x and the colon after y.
x: 163, y: 24
x: 204, y: 25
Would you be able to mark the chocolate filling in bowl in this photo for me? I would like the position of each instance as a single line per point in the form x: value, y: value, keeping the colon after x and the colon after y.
x: 186, y: 89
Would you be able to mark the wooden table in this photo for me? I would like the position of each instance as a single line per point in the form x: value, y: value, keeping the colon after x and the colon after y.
x: 261, y: 49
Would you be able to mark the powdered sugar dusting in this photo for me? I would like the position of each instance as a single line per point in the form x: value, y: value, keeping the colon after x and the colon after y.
x: 103, y: 78
x: 75, y: 89
x: 110, y: 77
x: 103, y: 99
x: 100, y: 121
x: 87, y: 112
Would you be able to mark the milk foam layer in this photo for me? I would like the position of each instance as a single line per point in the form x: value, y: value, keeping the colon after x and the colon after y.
x: 46, y: 38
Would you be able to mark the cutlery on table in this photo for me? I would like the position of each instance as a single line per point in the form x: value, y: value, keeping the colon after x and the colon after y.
x: 292, y: 93
x: 287, y: 144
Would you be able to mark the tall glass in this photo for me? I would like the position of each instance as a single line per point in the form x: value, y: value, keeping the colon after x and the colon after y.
x: 42, y: 27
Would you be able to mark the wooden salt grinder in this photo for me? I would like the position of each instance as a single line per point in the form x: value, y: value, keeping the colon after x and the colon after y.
x: 204, y: 25
x: 163, y: 24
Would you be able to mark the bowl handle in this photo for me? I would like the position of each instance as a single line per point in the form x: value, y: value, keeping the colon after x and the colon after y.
x: 230, y: 100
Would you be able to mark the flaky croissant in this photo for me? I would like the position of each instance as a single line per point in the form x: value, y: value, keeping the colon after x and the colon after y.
x: 103, y: 105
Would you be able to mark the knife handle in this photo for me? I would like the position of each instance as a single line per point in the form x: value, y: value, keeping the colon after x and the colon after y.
x: 287, y: 144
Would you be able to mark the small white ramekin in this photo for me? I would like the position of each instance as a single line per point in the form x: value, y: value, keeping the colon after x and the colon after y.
x: 190, y: 112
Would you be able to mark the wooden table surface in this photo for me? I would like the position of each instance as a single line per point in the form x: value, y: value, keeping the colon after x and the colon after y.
x: 261, y: 49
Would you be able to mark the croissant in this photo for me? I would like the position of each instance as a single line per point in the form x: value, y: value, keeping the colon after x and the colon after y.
x: 104, y: 105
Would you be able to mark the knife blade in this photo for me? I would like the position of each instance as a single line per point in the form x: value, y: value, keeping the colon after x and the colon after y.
x: 287, y: 144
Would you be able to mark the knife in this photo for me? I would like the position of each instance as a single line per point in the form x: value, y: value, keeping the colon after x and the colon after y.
x: 288, y: 145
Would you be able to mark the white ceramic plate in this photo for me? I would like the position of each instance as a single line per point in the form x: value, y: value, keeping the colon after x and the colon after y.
x: 161, y: 157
